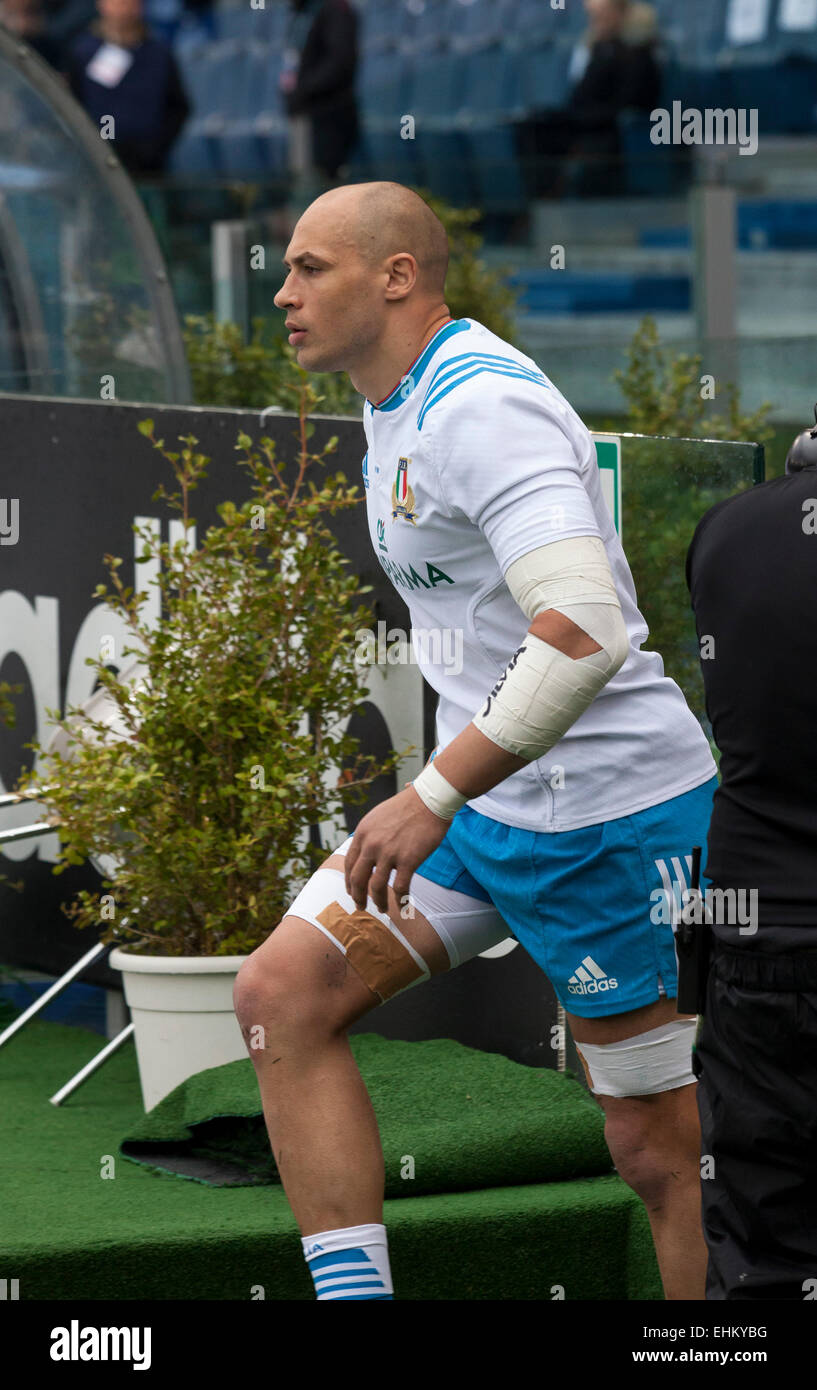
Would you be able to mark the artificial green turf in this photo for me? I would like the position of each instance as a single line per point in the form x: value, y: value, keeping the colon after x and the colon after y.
x: 70, y: 1233
x: 468, y: 1120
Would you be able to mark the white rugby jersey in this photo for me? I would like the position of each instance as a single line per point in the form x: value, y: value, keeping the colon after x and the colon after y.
x: 474, y: 460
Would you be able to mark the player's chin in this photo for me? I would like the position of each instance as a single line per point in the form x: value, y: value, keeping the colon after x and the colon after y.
x: 314, y: 359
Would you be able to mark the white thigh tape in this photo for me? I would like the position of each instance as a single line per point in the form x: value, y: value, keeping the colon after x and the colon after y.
x: 374, y: 947
x: 660, y: 1060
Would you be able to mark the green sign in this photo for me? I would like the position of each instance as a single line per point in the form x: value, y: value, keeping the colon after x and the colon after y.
x: 608, y: 453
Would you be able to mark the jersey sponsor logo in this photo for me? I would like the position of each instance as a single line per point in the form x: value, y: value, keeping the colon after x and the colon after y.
x: 410, y: 579
x: 366, y: 471
x: 589, y: 978
x: 402, y: 496
x: 381, y: 534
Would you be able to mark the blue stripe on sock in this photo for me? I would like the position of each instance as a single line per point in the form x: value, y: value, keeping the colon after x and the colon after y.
x: 355, y: 1256
x: 357, y: 1297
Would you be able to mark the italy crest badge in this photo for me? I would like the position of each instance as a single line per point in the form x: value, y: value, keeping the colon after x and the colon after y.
x: 402, y: 497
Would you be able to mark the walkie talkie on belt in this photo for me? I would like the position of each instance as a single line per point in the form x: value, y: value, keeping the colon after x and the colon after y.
x: 692, y: 940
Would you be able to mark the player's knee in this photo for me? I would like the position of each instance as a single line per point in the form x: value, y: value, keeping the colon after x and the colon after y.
x: 654, y: 1143
x: 639, y: 1152
x: 275, y: 994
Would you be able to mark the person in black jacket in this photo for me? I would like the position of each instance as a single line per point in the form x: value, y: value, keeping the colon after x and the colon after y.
x: 322, y: 89
x: 752, y: 572
x: 118, y: 68
x: 615, y: 69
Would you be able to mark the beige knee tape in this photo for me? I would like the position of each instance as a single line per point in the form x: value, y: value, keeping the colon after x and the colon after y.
x: 372, y: 949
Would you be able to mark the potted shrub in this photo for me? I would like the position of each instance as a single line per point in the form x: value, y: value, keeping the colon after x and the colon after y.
x: 219, y: 745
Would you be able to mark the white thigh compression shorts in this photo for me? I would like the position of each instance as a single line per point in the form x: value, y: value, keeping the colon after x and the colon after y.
x: 376, y: 947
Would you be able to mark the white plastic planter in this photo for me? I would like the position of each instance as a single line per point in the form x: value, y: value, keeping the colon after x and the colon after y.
x: 182, y: 1011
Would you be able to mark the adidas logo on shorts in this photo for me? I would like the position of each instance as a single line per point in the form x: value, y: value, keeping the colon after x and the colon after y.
x: 590, y: 979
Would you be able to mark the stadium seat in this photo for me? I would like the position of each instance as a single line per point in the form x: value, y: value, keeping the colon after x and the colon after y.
x: 569, y: 292
x: 384, y: 100
x: 193, y: 153
x: 382, y: 25
x: 533, y: 20
x: 800, y: 41
x: 784, y: 94
x: 471, y: 23
x: 543, y: 76
x: 490, y: 84
x: 649, y: 170
x: 240, y: 21
x: 434, y: 97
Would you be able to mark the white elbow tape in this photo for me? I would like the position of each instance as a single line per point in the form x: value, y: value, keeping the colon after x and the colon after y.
x: 573, y: 571
x: 542, y: 691
x: 437, y: 793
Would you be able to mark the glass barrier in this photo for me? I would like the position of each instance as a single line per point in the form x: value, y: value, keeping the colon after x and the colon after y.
x: 666, y: 486
x: 85, y: 304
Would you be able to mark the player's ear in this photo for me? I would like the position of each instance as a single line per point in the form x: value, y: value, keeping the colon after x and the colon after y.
x: 402, y: 275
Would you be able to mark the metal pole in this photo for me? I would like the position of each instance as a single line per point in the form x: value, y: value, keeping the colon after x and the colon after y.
x: 53, y: 990
x: 90, y: 1067
x: 228, y: 243
x: 714, y: 224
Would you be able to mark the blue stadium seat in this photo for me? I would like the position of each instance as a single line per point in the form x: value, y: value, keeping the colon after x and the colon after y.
x: 544, y: 80
x: 383, y: 97
x: 436, y: 87
x: 425, y: 26
x: 533, y: 20
x: 495, y: 169
x: 193, y: 153
x: 649, y: 170
x: 577, y: 292
x: 221, y: 65
x: 240, y: 21
x: 192, y: 60
x: 490, y: 94
x: 795, y: 43
x: 434, y: 97
x: 784, y: 94
x: 381, y: 82
x: 381, y: 25
x: 490, y: 79
x: 470, y: 23
x: 789, y: 225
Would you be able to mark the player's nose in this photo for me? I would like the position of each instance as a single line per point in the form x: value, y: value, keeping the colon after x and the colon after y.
x: 284, y: 297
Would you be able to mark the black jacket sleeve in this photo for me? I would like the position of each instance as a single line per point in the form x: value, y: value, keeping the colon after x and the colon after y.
x: 177, y: 107
x: 329, y: 58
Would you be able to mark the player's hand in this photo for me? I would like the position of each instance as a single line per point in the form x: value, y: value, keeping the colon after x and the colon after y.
x: 399, y: 834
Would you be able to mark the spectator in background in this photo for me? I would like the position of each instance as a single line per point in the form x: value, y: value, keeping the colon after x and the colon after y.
x: 318, y: 85
x: 614, y: 69
x: 27, y: 20
x: 118, y: 68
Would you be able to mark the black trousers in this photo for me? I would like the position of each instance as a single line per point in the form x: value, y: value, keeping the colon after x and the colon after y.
x: 756, y: 1063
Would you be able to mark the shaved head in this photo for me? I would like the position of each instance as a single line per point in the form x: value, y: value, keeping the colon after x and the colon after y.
x: 366, y: 281
x: 383, y: 219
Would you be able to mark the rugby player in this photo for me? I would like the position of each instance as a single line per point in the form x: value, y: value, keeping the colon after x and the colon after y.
x: 570, y: 778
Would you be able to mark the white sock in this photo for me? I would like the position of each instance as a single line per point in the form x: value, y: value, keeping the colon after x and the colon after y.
x: 351, y: 1263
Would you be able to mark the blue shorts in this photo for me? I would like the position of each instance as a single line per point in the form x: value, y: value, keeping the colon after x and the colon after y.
x: 591, y: 906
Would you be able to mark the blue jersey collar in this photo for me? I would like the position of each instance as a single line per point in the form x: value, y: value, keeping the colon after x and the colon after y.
x: 409, y: 381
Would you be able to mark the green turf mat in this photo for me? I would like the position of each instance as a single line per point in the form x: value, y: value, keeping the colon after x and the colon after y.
x: 80, y: 1223
x: 467, y: 1119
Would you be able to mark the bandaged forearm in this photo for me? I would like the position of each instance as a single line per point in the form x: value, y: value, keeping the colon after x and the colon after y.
x: 542, y: 692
